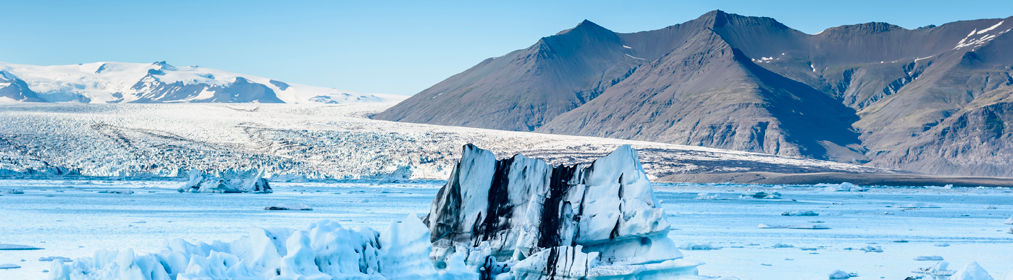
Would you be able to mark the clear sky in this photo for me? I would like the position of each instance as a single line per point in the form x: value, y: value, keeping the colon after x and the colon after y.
x: 399, y: 47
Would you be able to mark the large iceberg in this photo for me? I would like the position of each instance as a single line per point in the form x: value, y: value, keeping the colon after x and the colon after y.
x: 230, y: 181
x: 523, y: 216
x: 514, y: 218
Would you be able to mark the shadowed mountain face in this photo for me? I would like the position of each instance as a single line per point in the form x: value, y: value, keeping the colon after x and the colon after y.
x: 934, y: 99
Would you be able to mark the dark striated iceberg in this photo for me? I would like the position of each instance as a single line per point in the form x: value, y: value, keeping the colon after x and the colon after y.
x: 532, y: 220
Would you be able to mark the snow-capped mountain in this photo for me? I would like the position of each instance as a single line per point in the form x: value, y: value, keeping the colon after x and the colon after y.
x: 159, y: 82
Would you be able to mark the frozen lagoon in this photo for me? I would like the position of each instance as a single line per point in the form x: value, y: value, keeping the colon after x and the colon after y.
x: 74, y: 219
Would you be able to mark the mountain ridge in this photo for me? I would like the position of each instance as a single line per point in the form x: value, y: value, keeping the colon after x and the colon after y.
x: 855, y: 93
x: 161, y: 82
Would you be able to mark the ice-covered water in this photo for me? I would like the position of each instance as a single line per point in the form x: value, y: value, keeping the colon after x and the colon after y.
x: 75, y: 218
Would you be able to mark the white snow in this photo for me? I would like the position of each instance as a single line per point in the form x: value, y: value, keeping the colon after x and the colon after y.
x: 634, y: 57
x: 627, y: 47
x: 922, y: 58
x: 990, y: 28
x: 99, y: 82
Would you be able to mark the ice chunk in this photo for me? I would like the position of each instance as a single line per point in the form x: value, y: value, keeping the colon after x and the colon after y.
x: 505, y: 212
x: 706, y: 196
x: 698, y: 246
x: 762, y: 195
x: 937, y: 270
x: 9, y: 266
x: 405, y: 250
x: 929, y: 258
x: 918, y: 205
x: 17, y: 247
x: 800, y: 213
x: 13, y: 191
x: 1009, y: 221
x: 60, y: 259
x: 300, y: 206
x: 837, y: 274
x: 226, y: 182
x: 971, y: 271
x: 870, y: 249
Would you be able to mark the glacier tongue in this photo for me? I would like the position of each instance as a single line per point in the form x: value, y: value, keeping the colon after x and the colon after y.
x: 591, y: 220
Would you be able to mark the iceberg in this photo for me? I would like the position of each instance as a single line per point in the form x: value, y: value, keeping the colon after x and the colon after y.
x: 229, y: 181
x: 597, y: 220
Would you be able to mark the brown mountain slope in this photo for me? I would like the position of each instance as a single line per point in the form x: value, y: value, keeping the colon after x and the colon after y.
x: 872, y: 92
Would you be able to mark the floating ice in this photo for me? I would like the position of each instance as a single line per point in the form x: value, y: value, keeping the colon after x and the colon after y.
x: 226, y: 182
x: 929, y: 258
x: 918, y: 205
x: 842, y: 275
x: 800, y: 213
x: 706, y: 196
x: 17, y: 247
x: 765, y: 226
x: 842, y: 187
x: 971, y: 271
x: 538, y: 221
x: 869, y: 248
x: 325, y: 250
x: 1009, y: 221
x: 780, y: 245
x: 300, y: 206
x: 698, y: 246
x: 762, y: 195
x: 9, y: 266
x: 13, y: 191
x: 937, y: 270
x: 61, y: 259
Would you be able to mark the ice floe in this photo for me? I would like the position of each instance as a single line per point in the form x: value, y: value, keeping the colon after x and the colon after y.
x: 230, y: 181
x: 838, y: 274
x: 929, y: 258
x: 300, y: 207
x: 17, y: 247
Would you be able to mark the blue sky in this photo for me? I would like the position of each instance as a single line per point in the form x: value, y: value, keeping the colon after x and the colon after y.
x: 398, y: 47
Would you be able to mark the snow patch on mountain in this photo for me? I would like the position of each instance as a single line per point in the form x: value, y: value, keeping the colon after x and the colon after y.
x: 118, y: 82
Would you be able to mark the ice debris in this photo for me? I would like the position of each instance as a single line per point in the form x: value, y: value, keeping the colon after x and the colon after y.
x: 698, y: 246
x: 706, y: 196
x: 61, y: 259
x: 799, y: 213
x: 762, y: 195
x: 870, y: 249
x: 9, y: 266
x: 17, y: 247
x: 765, y: 226
x: 1009, y: 221
x: 918, y: 205
x: 325, y: 250
x: 300, y: 207
x: 842, y: 187
x: 929, y: 258
x: 597, y: 220
x: 971, y: 271
x: 837, y: 274
x: 226, y: 182
x: 937, y: 270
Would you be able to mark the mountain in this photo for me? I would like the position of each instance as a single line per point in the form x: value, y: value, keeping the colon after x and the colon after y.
x: 934, y: 99
x: 159, y: 82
